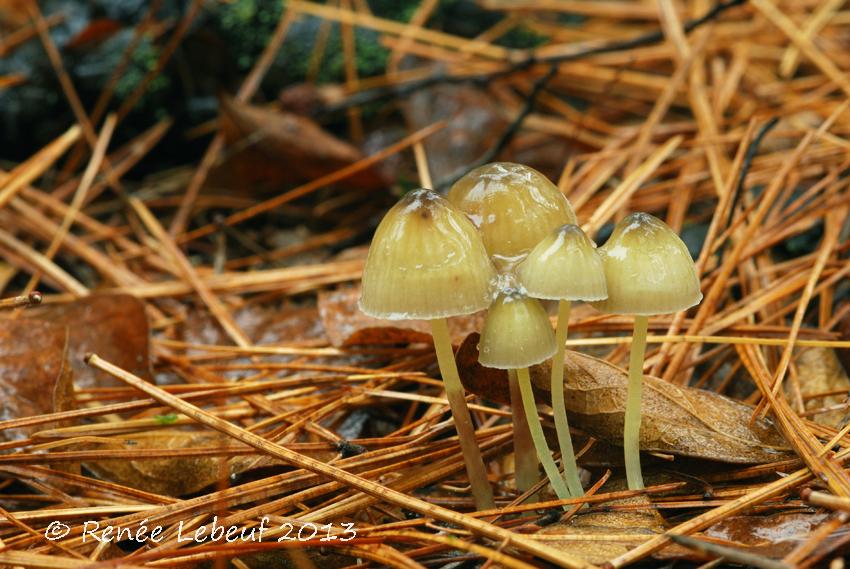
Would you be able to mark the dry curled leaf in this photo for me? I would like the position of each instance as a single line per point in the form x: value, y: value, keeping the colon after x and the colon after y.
x: 273, y: 148
x: 262, y: 324
x: 600, y: 536
x: 93, y: 35
x: 346, y: 325
x: 820, y: 371
x: 35, y: 376
x: 474, y: 122
x: 178, y: 476
x: 166, y: 476
x: 774, y: 535
x: 309, y: 98
x: 115, y: 327
x: 676, y: 420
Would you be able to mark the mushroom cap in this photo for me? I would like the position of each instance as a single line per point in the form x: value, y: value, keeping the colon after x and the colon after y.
x: 564, y: 266
x: 648, y: 269
x: 513, y: 206
x: 517, y: 333
x: 426, y: 261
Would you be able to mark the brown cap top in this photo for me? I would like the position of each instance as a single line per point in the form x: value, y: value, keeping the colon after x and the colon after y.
x: 426, y: 261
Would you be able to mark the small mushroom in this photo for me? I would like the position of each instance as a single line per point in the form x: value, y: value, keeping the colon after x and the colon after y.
x: 648, y: 270
x: 513, y: 206
x: 516, y: 335
x: 563, y: 267
x: 427, y: 262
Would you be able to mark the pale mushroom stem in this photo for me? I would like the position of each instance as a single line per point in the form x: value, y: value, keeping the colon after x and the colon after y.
x: 538, y: 437
x: 631, y: 429
x: 481, y: 490
x: 526, y: 465
x: 559, y: 408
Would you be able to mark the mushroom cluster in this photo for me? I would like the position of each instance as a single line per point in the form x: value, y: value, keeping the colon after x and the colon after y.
x: 506, y: 239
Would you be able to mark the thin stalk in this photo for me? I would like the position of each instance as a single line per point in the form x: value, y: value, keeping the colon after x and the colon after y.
x: 538, y: 437
x: 481, y: 490
x: 559, y: 407
x: 526, y: 465
x: 631, y: 429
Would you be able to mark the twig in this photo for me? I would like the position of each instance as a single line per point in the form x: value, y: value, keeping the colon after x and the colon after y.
x: 316, y: 184
x: 729, y: 553
x: 245, y: 93
x: 176, y: 38
x: 509, y: 133
x: 559, y: 558
x: 31, y: 299
x: 752, y: 150
x: 582, y: 52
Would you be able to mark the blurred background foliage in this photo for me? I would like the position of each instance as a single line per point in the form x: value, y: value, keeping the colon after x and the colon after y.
x: 224, y: 41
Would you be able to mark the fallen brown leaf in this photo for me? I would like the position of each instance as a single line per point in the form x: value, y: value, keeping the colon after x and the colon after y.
x: 346, y: 325
x: 112, y: 326
x: 676, y: 420
x: 35, y: 376
x: 262, y: 324
x: 820, y: 371
x: 621, y: 530
x: 308, y: 98
x: 274, y: 148
x: 474, y: 121
x: 182, y: 475
x: 774, y: 535
x: 166, y: 476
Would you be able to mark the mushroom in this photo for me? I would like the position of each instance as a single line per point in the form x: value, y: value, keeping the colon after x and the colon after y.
x: 427, y: 262
x: 565, y: 267
x: 513, y: 206
x: 648, y: 270
x: 516, y: 335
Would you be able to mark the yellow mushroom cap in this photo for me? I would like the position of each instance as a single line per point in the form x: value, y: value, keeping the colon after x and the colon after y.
x: 426, y: 261
x: 516, y: 333
x: 648, y: 269
x: 564, y: 266
x: 513, y: 206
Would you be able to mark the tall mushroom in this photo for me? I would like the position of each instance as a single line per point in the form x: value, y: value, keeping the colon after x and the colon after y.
x: 427, y: 262
x: 648, y: 270
x: 516, y: 335
x: 563, y: 267
x: 514, y: 207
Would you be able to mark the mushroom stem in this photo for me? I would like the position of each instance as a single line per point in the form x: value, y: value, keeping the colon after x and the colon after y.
x: 559, y: 408
x: 526, y: 465
x: 481, y: 490
x: 631, y: 428
x: 538, y: 437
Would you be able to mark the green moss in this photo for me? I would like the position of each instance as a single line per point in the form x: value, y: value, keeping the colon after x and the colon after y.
x: 143, y: 61
x: 246, y: 26
x: 371, y: 57
x: 293, y: 60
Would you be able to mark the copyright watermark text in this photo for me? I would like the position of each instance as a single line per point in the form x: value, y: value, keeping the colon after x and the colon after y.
x: 94, y: 531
